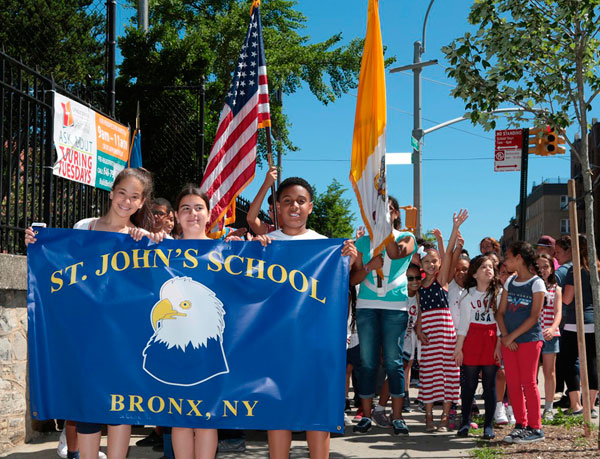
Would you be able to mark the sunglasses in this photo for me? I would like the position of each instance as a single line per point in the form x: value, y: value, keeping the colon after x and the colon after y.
x: 413, y: 278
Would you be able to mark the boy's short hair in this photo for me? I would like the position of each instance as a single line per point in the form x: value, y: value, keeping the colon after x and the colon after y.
x: 293, y: 181
x: 163, y: 203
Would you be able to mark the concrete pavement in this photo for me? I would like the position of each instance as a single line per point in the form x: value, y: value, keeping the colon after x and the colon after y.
x: 378, y: 443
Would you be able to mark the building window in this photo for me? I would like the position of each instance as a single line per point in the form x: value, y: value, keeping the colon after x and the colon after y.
x: 564, y: 202
x: 565, y: 226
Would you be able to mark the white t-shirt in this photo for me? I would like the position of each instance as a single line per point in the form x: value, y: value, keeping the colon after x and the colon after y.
x: 475, y: 309
x: 537, y: 286
x: 455, y: 292
x: 279, y: 235
x: 86, y: 224
x: 413, y: 312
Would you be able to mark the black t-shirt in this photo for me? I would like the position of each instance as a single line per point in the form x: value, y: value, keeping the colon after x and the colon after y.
x: 588, y: 301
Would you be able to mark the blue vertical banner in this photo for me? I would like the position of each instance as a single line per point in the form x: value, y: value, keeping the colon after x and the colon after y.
x: 197, y: 333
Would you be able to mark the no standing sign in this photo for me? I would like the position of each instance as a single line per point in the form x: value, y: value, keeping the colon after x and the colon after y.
x: 507, y: 154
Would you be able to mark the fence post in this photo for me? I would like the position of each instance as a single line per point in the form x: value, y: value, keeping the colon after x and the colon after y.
x: 47, y: 165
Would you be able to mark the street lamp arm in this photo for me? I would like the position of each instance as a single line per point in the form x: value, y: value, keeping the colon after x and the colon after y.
x: 425, y: 26
x: 466, y: 117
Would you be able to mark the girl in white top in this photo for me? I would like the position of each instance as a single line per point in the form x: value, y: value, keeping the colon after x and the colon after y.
x: 192, y: 212
x: 129, y: 213
x: 551, y: 317
x: 477, y: 345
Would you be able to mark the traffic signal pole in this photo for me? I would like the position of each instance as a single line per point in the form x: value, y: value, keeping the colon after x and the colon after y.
x: 523, y: 197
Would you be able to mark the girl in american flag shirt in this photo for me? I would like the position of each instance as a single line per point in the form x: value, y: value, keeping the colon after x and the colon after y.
x: 439, y: 375
x: 551, y: 317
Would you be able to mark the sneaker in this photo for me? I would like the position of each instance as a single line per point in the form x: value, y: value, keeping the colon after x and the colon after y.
x: 531, y: 436
x: 421, y: 406
x: 473, y: 425
x: 406, y: 405
x: 232, y: 445
x: 359, y: 415
x: 563, y: 403
x: 363, y: 426
x: 347, y: 420
x: 518, y: 432
x: 594, y: 413
x: 62, y: 444
x: 510, y: 415
x: 547, y: 415
x: 400, y: 427
x: 463, y: 432
x: 452, y: 419
x: 348, y: 406
x: 500, y: 417
x: 488, y: 433
x: 381, y: 419
x: 101, y: 455
x: 150, y: 440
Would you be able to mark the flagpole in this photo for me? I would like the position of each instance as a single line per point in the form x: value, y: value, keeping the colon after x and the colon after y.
x: 137, y: 117
x: 270, y: 160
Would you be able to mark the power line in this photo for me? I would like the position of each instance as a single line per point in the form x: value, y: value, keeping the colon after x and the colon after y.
x: 483, y: 158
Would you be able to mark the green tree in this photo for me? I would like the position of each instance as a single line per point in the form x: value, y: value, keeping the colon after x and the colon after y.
x: 331, y: 215
x: 540, y: 55
x: 64, y: 38
x: 191, y: 39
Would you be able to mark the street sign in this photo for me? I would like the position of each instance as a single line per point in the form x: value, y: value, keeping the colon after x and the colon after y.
x: 392, y: 159
x: 507, y: 154
x: 414, y: 143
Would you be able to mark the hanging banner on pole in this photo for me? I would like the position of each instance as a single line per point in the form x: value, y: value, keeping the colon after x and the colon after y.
x: 90, y: 148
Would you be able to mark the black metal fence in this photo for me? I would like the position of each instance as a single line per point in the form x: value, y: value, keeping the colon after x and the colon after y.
x: 29, y: 192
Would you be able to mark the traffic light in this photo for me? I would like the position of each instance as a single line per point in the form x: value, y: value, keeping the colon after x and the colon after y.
x: 535, y: 141
x: 410, y: 220
x: 560, y: 140
x: 545, y: 141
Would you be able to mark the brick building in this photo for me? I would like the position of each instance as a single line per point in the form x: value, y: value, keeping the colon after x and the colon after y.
x: 547, y: 213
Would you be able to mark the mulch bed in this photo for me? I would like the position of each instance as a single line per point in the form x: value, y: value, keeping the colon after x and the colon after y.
x: 560, y: 442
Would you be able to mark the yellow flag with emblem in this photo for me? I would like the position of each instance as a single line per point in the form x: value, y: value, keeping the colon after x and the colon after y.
x: 368, y: 171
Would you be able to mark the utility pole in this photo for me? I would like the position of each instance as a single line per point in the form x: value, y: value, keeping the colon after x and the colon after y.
x: 417, y: 132
x: 111, y: 38
x: 523, y: 187
x: 143, y: 15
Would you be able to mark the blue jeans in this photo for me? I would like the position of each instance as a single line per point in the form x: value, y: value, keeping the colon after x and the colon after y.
x: 381, y: 329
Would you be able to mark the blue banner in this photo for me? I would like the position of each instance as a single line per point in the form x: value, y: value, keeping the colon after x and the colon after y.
x: 187, y: 333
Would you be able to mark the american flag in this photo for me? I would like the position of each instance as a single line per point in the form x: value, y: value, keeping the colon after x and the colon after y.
x: 232, y: 159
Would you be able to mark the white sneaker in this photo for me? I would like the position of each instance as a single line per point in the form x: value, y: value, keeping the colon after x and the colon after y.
x: 62, y: 447
x: 62, y: 444
x: 500, y: 417
x: 510, y: 415
x: 347, y: 420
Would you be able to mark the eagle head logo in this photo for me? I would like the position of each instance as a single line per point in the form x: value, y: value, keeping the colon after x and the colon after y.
x: 187, y: 345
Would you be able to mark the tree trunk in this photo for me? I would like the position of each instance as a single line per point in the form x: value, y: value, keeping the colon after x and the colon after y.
x: 588, y: 200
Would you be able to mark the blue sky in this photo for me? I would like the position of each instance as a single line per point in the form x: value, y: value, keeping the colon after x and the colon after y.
x: 458, y: 169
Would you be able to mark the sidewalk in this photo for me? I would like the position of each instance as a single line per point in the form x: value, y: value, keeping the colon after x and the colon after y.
x: 378, y: 443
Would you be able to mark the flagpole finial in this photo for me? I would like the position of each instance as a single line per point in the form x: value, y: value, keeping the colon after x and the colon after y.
x: 255, y: 4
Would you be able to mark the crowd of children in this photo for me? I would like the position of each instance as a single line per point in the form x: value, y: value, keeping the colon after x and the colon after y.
x: 498, y: 317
